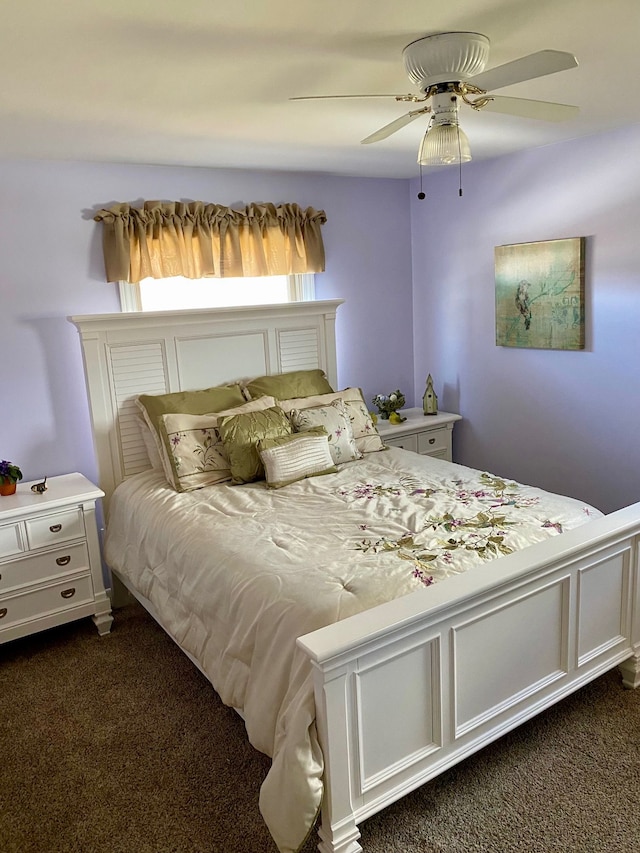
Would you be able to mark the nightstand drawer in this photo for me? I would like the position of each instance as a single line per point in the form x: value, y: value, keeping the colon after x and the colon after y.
x: 434, y: 442
x: 429, y: 435
x: 11, y: 539
x: 55, y: 528
x: 41, y: 567
x: 407, y: 442
x: 26, y: 606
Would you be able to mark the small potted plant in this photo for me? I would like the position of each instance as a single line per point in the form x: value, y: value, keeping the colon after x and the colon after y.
x: 9, y: 476
x: 389, y: 406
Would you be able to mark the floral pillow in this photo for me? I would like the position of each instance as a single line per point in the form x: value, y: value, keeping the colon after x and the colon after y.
x: 364, y: 430
x: 335, y: 419
x: 193, y: 448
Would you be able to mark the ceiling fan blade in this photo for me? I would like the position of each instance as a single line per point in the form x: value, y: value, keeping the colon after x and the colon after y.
x: 526, y: 68
x: 394, y: 126
x: 544, y: 110
x: 330, y: 97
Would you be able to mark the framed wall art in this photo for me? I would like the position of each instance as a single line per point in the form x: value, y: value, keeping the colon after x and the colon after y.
x: 540, y: 294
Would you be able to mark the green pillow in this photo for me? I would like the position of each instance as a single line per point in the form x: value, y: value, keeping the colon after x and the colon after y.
x: 240, y: 436
x: 200, y: 402
x: 295, y: 383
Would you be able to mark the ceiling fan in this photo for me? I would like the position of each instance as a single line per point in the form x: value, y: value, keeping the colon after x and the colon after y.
x: 448, y: 68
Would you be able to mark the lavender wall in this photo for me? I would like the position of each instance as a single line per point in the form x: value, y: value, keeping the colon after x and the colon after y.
x: 565, y: 421
x: 51, y: 267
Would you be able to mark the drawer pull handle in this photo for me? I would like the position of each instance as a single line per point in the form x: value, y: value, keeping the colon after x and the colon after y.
x: 3, y: 612
x: 68, y: 593
x: 55, y: 528
x: 432, y: 441
x: 63, y: 561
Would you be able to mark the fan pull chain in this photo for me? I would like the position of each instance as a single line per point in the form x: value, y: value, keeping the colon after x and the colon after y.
x: 459, y: 163
x: 421, y: 195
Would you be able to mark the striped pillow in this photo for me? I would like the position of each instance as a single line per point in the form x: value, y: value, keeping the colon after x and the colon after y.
x: 290, y: 458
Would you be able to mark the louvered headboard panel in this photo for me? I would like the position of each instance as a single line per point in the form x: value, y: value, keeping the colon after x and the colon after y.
x: 159, y: 352
x: 135, y: 370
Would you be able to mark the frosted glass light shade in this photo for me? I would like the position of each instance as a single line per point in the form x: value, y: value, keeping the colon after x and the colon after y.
x: 444, y: 144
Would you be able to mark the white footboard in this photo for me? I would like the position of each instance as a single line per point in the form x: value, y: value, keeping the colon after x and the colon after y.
x: 410, y: 688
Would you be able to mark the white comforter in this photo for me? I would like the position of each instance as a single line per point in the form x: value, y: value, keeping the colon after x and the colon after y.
x: 236, y: 573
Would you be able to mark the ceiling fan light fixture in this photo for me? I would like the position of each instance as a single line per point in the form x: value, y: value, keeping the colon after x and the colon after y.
x: 442, y: 57
x: 443, y: 145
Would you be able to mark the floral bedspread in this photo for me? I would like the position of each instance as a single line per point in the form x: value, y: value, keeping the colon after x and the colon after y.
x: 237, y: 573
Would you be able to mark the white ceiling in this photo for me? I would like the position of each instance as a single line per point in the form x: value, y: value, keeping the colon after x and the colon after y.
x: 207, y: 83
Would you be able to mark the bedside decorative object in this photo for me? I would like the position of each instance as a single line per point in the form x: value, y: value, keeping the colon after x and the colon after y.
x: 40, y: 488
x: 9, y: 476
x: 429, y: 400
x: 389, y: 403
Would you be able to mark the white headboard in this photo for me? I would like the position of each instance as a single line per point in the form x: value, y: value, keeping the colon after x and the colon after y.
x: 163, y: 351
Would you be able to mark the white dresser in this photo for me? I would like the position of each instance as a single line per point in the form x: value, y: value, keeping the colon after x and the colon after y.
x: 50, y: 567
x: 429, y: 435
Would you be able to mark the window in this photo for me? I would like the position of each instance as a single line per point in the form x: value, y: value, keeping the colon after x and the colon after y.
x: 177, y: 293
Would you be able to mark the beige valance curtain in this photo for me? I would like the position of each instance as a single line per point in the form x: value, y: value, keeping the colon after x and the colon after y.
x: 196, y: 240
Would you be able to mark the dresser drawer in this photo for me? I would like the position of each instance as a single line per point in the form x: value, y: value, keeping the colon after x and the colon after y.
x: 407, y: 442
x: 25, y: 606
x: 41, y: 567
x: 435, y: 442
x: 55, y: 528
x: 11, y: 539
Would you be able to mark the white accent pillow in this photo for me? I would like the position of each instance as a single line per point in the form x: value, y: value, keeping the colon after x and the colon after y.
x: 364, y: 430
x: 290, y: 458
x: 155, y: 460
x: 195, y: 455
x: 335, y: 419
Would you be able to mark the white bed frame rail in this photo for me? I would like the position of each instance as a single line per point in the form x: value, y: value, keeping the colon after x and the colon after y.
x: 409, y: 689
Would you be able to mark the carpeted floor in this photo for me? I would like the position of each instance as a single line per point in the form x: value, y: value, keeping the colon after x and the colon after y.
x: 118, y: 744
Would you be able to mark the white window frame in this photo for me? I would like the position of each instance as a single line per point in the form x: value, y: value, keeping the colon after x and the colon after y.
x: 302, y: 288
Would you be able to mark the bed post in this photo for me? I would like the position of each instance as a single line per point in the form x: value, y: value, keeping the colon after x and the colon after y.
x: 630, y: 668
x: 630, y: 671
x: 338, y: 832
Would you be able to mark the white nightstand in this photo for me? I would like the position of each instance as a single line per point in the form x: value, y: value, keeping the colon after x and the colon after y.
x: 429, y: 435
x: 50, y: 568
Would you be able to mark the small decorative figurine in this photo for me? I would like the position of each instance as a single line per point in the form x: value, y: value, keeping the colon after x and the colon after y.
x: 429, y: 400
x: 40, y: 488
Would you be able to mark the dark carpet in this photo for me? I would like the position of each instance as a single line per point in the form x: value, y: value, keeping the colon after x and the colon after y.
x: 119, y: 744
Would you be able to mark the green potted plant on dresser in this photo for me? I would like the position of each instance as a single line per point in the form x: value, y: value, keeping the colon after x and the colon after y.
x: 9, y: 476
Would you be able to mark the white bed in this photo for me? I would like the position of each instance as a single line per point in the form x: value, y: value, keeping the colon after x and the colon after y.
x: 468, y: 659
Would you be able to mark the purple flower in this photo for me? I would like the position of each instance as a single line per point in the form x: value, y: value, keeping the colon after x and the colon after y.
x: 9, y: 471
x: 427, y: 580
